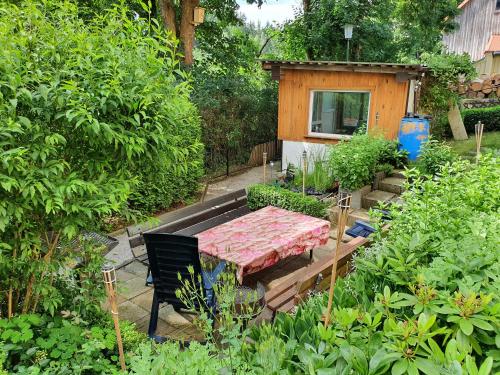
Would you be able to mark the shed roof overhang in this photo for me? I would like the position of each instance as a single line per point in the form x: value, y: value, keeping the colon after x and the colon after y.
x: 403, y: 71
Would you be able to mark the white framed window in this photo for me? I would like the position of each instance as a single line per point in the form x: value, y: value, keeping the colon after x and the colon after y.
x: 337, y: 114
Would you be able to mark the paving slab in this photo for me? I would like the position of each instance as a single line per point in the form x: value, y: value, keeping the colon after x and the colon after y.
x: 122, y: 275
x: 137, y: 268
x: 132, y: 288
x: 130, y: 311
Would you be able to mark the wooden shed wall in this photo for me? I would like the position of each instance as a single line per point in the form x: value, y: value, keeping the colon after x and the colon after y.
x: 387, y: 97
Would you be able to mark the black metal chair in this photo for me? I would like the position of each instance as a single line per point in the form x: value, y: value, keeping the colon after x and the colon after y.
x: 170, y: 255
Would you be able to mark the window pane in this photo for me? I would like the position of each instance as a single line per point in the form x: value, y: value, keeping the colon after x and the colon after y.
x: 339, y: 112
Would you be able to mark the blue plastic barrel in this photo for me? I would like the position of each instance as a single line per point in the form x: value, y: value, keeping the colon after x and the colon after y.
x: 413, y: 132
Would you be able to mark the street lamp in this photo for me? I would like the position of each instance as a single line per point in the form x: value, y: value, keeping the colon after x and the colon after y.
x: 348, y: 35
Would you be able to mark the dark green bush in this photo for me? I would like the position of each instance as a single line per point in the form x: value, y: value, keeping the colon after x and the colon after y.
x: 353, y: 162
x: 490, y: 117
x: 434, y: 155
x: 260, y: 196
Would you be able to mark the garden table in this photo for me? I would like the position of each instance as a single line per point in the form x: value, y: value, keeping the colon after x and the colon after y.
x: 260, y: 239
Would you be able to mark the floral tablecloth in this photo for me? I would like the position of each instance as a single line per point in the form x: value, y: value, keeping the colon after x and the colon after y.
x: 261, y: 238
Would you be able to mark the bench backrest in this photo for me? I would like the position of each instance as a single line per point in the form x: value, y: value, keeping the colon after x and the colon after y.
x: 189, y: 216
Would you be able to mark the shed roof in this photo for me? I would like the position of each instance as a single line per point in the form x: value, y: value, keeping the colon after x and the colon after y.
x: 343, y: 66
x: 493, y: 44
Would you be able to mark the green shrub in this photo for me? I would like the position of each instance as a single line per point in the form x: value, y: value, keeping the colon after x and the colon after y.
x: 434, y: 155
x: 490, y: 117
x: 260, y: 196
x: 91, y: 113
x: 422, y: 299
x: 353, y: 162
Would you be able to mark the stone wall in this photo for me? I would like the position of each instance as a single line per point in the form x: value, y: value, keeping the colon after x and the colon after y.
x: 480, y: 103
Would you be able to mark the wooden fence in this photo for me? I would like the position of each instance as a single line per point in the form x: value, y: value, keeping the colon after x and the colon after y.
x: 273, y: 149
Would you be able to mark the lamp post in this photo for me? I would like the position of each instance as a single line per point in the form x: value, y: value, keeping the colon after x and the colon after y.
x: 348, y: 35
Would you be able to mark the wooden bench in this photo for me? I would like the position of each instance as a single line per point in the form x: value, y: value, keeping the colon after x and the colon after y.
x: 195, y: 218
x: 285, y: 296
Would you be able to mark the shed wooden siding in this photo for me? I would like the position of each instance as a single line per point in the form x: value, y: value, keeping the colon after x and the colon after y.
x: 476, y: 23
x: 387, y: 97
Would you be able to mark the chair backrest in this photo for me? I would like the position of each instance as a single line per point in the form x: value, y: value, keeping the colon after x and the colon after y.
x: 170, y: 255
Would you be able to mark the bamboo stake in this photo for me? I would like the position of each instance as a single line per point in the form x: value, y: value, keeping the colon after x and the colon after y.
x: 304, y: 172
x: 344, y: 203
x: 264, y: 162
x: 479, y: 136
x: 109, y: 275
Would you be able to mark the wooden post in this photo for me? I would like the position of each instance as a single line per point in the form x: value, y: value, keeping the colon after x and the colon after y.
x: 264, y: 162
x: 456, y: 123
x: 479, y: 136
x: 344, y: 203
x: 109, y: 275
x: 304, y: 172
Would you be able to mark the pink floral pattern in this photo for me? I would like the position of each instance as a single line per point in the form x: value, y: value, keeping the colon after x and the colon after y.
x: 260, y: 239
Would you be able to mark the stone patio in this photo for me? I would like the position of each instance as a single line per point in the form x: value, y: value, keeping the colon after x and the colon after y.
x: 134, y: 298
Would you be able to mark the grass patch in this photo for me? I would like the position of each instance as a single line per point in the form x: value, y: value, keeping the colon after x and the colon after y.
x: 491, y: 140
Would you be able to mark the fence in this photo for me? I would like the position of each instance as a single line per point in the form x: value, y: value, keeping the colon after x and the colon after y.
x: 231, y: 160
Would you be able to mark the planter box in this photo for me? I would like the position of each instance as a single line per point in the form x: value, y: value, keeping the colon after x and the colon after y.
x: 357, y: 196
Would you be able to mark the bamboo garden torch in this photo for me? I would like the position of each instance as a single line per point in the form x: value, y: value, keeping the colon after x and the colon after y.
x: 304, y: 172
x: 109, y: 276
x: 344, y: 203
x: 264, y: 162
x: 479, y: 136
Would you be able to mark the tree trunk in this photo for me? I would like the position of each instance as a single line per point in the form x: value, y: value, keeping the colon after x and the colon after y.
x: 187, y: 29
x: 168, y: 15
x: 307, y: 8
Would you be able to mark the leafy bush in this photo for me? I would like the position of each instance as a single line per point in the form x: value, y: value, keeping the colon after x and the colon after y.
x: 445, y: 71
x: 60, y: 346
x: 87, y: 110
x: 353, y: 162
x: 422, y: 299
x: 434, y: 155
x: 490, y: 117
x: 260, y: 196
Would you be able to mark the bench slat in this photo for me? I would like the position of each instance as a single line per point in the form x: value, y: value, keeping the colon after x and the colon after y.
x: 187, y: 211
x: 189, y: 221
x: 213, y: 222
x: 282, y: 299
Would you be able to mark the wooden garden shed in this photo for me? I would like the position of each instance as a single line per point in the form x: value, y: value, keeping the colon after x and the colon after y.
x: 321, y: 102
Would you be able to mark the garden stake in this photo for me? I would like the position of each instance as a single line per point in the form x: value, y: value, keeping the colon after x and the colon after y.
x: 264, y: 161
x: 479, y: 136
x: 344, y: 203
x: 109, y: 275
x: 304, y: 172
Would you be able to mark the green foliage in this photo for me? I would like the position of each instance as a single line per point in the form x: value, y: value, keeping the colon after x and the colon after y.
x: 319, y: 180
x: 354, y: 162
x: 260, y: 196
x: 438, y: 93
x: 90, y: 113
x: 236, y: 98
x: 45, y: 345
x: 490, y: 117
x: 170, y: 358
x: 385, y: 30
x: 433, y: 156
x: 422, y: 299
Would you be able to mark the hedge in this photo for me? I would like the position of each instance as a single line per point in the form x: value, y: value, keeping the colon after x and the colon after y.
x: 490, y: 117
x: 260, y: 196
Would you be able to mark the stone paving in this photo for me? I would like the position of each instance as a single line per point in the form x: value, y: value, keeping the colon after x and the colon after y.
x: 135, y: 298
